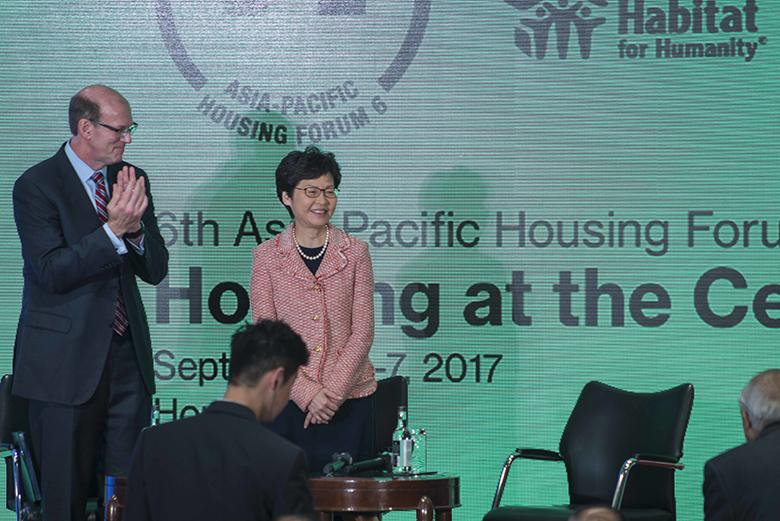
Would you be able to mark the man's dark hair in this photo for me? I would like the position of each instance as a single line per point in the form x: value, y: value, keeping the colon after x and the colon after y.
x: 80, y: 108
x: 309, y: 164
x: 258, y: 348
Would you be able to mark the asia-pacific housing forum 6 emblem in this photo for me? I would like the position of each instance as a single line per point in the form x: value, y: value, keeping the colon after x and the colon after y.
x: 306, y: 70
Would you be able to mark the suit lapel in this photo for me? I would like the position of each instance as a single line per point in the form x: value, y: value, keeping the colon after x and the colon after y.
x: 82, y: 212
x: 333, y: 261
x: 291, y: 262
x: 111, y: 174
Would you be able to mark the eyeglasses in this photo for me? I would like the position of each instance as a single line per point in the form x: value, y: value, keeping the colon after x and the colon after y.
x: 314, y: 192
x: 123, y: 132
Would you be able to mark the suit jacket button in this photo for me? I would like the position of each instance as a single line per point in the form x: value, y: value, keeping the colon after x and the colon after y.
x: 315, y: 318
x: 318, y: 349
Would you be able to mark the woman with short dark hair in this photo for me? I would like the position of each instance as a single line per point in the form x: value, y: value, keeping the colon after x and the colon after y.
x: 319, y: 280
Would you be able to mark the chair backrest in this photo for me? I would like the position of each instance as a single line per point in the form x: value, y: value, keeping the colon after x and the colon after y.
x: 13, y: 433
x: 390, y: 393
x: 13, y: 411
x: 608, y: 426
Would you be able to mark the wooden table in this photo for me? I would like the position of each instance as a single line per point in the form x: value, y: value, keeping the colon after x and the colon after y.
x: 426, y: 494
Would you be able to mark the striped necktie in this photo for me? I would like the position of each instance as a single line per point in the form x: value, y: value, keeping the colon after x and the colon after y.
x: 101, y: 204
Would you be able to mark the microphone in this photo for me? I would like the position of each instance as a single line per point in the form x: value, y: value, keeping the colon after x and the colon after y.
x: 339, y: 460
x: 380, y: 463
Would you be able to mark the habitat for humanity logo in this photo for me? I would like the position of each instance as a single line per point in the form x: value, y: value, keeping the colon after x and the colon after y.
x: 318, y: 69
x: 535, y: 30
x: 670, y: 29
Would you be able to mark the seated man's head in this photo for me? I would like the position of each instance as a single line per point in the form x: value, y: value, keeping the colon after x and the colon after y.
x: 596, y: 513
x: 264, y: 361
x: 760, y: 403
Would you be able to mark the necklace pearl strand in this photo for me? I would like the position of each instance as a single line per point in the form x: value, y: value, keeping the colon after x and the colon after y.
x: 322, y: 251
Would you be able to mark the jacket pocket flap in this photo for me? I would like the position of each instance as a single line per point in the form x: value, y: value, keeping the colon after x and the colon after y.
x: 44, y: 320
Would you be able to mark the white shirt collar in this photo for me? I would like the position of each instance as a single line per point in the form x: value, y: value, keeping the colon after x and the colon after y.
x: 82, y: 169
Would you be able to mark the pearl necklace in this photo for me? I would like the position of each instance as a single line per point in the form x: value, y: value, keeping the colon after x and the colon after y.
x: 322, y: 251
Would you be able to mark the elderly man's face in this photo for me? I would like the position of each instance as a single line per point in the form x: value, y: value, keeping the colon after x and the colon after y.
x: 107, y: 145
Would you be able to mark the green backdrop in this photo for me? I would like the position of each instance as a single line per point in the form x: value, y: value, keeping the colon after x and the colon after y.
x: 495, y: 154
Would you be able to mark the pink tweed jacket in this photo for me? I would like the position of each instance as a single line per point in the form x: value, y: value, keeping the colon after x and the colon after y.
x: 332, y: 311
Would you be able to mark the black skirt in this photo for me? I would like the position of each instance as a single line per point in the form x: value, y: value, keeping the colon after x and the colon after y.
x: 348, y: 431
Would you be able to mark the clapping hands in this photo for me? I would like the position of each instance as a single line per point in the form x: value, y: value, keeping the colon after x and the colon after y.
x: 128, y: 202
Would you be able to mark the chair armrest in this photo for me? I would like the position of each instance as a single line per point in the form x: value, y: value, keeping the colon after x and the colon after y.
x: 658, y: 460
x: 647, y: 460
x: 536, y: 454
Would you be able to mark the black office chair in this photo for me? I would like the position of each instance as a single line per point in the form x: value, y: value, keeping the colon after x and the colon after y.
x: 609, y: 432
x: 390, y: 393
x: 23, y: 493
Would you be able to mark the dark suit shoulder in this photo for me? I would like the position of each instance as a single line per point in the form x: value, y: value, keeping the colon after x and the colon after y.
x: 228, y: 421
x: 728, y: 456
x: 730, y: 465
x: 741, y: 482
x: 43, y: 171
x: 42, y: 182
x: 744, y: 455
x: 220, y: 464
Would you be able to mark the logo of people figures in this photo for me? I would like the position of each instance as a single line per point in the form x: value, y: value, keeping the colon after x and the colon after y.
x: 533, y: 35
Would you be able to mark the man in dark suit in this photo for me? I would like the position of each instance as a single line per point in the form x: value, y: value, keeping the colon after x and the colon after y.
x: 223, y: 463
x: 742, y: 483
x: 83, y: 354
